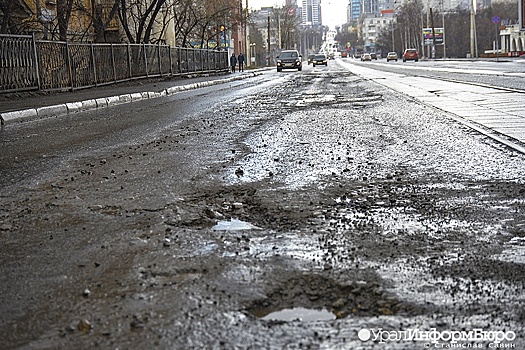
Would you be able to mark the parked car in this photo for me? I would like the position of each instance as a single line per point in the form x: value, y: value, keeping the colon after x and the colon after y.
x: 320, y: 60
x: 310, y: 58
x: 366, y: 57
x: 391, y: 56
x: 410, y: 55
x: 373, y: 55
x: 289, y: 59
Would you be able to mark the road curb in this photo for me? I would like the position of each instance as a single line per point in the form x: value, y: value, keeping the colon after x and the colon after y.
x: 18, y: 115
x: 75, y: 107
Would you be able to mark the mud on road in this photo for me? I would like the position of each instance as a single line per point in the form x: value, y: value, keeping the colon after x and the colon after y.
x: 347, y: 206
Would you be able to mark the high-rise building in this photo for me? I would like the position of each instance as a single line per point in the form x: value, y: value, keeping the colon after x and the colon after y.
x: 311, y: 12
x: 355, y: 9
x: 370, y: 6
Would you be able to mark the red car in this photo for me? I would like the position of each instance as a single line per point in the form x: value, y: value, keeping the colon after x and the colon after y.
x: 410, y: 55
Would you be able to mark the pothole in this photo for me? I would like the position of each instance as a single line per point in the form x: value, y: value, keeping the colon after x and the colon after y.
x: 316, y: 297
x: 300, y: 314
x: 233, y: 225
x: 319, y: 99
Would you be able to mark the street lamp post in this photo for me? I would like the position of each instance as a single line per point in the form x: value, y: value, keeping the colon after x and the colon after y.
x: 443, y: 18
x: 268, y: 43
x: 393, y: 43
x: 473, y: 37
x: 393, y: 27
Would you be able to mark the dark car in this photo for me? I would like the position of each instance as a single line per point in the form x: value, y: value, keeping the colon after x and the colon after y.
x: 310, y: 58
x: 320, y: 60
x: 289, y: 59
x: 410, y: 55
x: 373, y: 55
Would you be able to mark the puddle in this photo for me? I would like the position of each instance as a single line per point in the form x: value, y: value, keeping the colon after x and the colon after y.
x: 515, y: 251
x: 233, y: 225
x: 300, y: 314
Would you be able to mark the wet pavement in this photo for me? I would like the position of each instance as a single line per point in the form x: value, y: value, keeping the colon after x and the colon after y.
x: 313, y: 210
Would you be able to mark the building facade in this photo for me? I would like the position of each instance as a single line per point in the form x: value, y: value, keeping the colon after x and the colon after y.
x: 311, y: 12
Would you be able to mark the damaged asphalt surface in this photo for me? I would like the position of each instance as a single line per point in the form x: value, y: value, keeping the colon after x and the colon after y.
x: 188, y: 225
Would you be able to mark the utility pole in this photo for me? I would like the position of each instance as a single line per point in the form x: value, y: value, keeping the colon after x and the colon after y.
x: 248, y: 52
x: 473, y: 38
x: 268, y: 42
x: 443, y: 14
x: 393, y: 30
x: 433, y: 34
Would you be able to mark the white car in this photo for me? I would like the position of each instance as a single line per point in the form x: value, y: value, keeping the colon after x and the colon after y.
x: 366, y: 57
x: 391, y: 56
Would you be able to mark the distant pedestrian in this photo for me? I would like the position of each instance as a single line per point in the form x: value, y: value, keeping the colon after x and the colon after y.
x: 233, y: 62
x: 241, y: 62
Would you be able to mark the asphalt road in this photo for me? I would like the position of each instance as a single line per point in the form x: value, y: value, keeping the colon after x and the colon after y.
x: 311, y: 210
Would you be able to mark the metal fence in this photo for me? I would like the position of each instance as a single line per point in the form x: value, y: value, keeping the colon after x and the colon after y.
x: 29, y: 64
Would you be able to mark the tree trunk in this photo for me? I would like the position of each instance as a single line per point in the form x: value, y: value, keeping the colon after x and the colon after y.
x: 63, y: 14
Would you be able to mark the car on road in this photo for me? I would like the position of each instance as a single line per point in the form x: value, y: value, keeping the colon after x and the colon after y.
x: 320, y: 60
x: 410, y: 55
x: 373, y: 55
x: 310, y: 58
x: 344, y: 54
x: 366, y: 57
x: 391, y: 56
x: 289, y: 59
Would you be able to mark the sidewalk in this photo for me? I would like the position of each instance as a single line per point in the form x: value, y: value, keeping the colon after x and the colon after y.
x: 495, y: 113
x: 15, y: 107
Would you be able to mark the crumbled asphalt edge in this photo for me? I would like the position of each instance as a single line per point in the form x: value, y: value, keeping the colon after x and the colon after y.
x: 73, y: 107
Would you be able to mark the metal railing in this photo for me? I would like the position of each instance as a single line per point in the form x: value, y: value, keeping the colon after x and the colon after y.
x: 29, y: 64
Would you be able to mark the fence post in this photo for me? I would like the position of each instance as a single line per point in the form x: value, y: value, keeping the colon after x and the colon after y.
x: 194, y: 60
x: 69, y: 67
x: 159, y: 58
x: 145, y: 59
x: 179, y: 57
x: 129, y: 62
x: 94, y: 64
x: 170, y: 60
x: 35, y: 60
x: 187, y: 61
x: 113, y: 63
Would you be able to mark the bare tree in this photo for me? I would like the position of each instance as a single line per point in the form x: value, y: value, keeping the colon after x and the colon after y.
x: 102, y: 20
x: 201, y: 23
x: 16, y: 17
x: 187, y: 17
x: 64, y: 8
x: 286, y: 24
x: 137, y: 18
x: 457, y: 23
x: 410, y: 24
x: 6, y: 6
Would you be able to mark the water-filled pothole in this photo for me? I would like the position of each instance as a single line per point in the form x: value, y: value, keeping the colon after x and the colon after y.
x: 233, y: 225
x: 316, y: 297
x: 300, y: 314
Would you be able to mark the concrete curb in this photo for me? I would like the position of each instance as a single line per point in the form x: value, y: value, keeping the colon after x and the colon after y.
x: 75, y: 107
